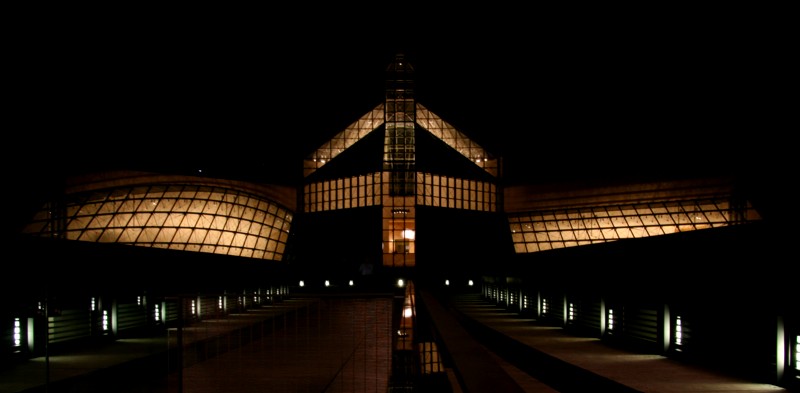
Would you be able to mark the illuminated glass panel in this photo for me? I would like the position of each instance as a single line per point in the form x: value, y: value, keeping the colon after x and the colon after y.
x: 399, y: 231
x: 430, y: 361
x: 341, y: 141
x: 455, y: 139
x: 552, y: 229
x: 180, y: 217
x: 443, y: 191
x: 358, y: 191
x: 377, y: 189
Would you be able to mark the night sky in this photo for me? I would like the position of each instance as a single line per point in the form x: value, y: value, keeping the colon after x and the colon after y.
x: 560, y: 100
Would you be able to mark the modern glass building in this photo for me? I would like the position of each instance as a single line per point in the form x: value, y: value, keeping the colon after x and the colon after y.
x: 401, y: 199
x: 176, y: 213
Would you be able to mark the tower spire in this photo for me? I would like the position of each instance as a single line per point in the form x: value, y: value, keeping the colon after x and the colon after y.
x: 400, y: 76
x: 399, y: 165
x: 399, y: 117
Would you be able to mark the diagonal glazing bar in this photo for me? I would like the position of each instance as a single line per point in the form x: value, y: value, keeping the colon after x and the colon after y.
x: 455, y: 139
x: 344, y: 139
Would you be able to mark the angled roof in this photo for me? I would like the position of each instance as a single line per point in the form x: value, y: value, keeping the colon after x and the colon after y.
x: 425, y: 119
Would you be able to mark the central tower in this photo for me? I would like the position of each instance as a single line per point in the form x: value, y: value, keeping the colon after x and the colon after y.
x: 399, y: 157
x: 398, y: 169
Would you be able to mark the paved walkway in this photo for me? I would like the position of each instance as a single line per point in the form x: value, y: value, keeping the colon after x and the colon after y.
x: 568, y: 363
x: 343, y: 345
x: 140, y: 364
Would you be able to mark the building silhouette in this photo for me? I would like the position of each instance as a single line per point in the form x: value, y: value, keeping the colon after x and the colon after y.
x: 394, y: 214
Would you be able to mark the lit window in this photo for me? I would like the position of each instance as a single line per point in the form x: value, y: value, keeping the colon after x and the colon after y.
x: 582, y: 226
x: 430, y: 361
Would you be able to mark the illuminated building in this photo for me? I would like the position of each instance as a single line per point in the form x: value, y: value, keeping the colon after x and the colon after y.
x: 401, y: 194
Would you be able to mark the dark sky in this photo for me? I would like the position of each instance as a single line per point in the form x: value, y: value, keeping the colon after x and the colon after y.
x: 566, y: 99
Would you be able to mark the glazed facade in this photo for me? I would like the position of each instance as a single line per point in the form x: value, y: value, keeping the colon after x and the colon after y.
x: 186, y: 217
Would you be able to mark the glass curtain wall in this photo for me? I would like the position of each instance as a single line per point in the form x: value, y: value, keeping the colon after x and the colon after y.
x: 177, y: 216
x: 551, y: 229
x: 399, y: 165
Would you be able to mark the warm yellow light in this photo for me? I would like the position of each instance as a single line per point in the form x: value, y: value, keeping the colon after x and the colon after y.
x: 408, y: 234
x: 407, y: 312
